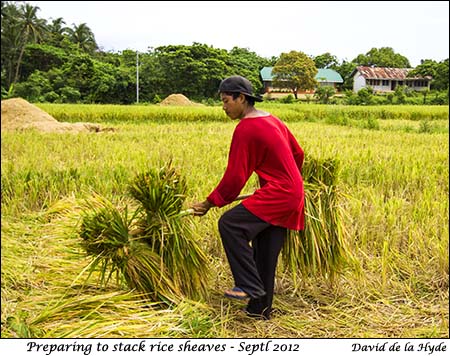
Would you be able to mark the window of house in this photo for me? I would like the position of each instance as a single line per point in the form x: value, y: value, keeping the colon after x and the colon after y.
x: 419, y: 83
x: 373, y: 82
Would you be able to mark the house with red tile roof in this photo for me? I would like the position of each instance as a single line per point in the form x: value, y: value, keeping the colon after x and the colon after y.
x: 383, y: 79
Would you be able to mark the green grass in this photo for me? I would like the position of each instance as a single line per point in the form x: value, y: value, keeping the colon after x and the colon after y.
x: 289, y: 113
x: 395, y: 204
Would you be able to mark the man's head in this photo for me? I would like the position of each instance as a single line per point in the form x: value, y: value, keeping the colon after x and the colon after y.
x: 237, y: 95
x: 239, y: 85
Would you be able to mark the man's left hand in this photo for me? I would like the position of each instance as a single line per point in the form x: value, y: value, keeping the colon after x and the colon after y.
x: 201, y: 208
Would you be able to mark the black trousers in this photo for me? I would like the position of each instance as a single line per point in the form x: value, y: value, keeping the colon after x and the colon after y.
x: 252, y: 247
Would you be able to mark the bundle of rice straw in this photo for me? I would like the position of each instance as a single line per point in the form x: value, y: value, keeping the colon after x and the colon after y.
x: 151, y: 250
x: 321, y: 248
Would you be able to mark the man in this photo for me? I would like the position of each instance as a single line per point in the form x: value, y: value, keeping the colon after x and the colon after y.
x: 253, y: 232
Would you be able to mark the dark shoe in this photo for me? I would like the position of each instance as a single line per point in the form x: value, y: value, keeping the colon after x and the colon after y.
x: 264, y: 316
x: 236, y: 293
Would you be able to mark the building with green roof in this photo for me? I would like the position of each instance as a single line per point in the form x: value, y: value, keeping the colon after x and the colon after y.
x: 325, y: 77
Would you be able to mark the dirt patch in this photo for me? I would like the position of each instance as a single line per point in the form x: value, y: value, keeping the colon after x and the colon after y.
x: 19, y: 114
x: 178, y: 100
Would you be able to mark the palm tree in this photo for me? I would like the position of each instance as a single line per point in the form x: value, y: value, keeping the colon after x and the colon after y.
x: 57, y: 31
x: 10, y: 42
x: 83, y: 37
x: 31, y: 29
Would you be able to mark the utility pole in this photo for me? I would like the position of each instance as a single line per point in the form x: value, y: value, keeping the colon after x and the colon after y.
x: 137, y: 77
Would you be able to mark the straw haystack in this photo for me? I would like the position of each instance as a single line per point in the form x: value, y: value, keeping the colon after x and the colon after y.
x: 19, y: 114
x: 178, y: 100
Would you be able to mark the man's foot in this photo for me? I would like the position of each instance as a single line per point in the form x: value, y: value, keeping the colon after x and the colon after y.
x: 255, y: 315
x: 236, y: 293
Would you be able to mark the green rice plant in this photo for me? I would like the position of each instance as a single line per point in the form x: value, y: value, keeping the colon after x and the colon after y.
x: 104, y: 229
x: 160, y: 191
x: 294, y: 112
x: 161, y: 223
x: 105, y: 233
x: 425, y: 127
x: 320, y: 171
x: 321, y: 248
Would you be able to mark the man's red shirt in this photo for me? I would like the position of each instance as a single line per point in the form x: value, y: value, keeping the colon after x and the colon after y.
x: 265, y: 145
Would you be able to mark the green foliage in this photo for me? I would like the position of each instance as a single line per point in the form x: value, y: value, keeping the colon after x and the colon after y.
x: 439, y: 98
x: 441, y: 78
x: 83, y: 37
x: 79, y: 71
x: 326, y: 60
x: 324, y: 93
x: 248, y: 64
x: 68, y: 56
x: 390, y: 98
x: 345, y: 69
x: 194, y: 71
x: 102, y: 88
x: 51, y: 97
x: 70, y: 95
x: 296, y: 71
x: 364, y: 96
x: 372, y: 124
x: 382, y: 57
x: 79, y: 78
x: 20, y: 26
x: 41, y: 57
x: 56, y: 32
x: 438, y: 72
x: 425, y: 126
x: 156, y: 99
x: 7, y: 94
x: 288, y: 99
x: 35, y: 88
x: 400, y: 94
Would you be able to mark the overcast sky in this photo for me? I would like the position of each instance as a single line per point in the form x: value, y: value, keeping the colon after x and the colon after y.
x: 415, y: 29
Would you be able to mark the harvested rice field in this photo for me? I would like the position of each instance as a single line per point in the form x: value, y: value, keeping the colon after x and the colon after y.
x: 392, y: 181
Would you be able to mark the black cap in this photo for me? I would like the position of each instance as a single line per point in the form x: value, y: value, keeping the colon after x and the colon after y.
x: 238, y: 84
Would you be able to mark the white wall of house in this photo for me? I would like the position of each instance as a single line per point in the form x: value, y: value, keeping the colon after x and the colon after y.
x: 358, y: 82
x: 381, y: 88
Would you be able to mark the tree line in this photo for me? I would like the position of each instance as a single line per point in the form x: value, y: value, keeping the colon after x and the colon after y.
x: 48, y: 61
